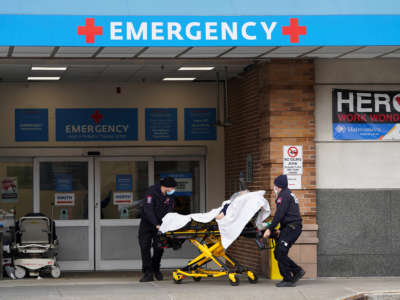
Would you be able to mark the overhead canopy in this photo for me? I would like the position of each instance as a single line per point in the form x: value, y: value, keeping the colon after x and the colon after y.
x: 200, y: 8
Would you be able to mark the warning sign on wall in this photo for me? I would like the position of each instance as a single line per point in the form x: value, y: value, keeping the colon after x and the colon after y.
x: 293, y: 160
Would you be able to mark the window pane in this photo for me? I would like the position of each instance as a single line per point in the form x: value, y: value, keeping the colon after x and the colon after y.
x: 64, y: 190
x: 17, y: 187
x: 187, y: 175
x: 123, y: 187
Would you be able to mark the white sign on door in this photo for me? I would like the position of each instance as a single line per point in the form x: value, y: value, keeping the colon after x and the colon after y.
x: 293, y: 160
x: 124, y: 198
x: 64, y: 199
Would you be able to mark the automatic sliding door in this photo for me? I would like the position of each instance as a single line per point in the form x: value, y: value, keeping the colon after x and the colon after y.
x: 66, y: 195
x: 121, y: 185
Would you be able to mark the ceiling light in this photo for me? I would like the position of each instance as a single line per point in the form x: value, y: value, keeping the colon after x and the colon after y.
x: 49, y: 68
x: 196, y: 68
x: 44, y: 78
x: 179, y: 78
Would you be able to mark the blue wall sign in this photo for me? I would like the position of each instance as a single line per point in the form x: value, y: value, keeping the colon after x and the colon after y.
x: 63, y: 183
x: 167, y: 31
x: 161, y: 124
x: 199, y: 124
x: 96, y: 124
x: 31, y: 125
x: 124, y: 182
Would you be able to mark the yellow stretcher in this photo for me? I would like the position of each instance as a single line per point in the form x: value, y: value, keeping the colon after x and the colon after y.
x: 207, y: 239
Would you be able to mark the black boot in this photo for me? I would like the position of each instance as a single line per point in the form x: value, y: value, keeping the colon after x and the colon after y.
x: 298, y: 275
x: 284, y: 283
x: 159, y: 276
x: 147, y: 277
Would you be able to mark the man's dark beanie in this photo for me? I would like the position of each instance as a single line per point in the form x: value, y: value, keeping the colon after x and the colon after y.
x: 168, y: 182
x: 281, y: 181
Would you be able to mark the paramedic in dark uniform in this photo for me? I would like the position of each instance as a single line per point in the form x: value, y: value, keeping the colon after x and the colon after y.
x: 288, y: 215
x: 157, y: 203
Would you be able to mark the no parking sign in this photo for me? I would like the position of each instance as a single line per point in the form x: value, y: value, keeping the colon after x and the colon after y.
x: 293, y: 165
x: 293, y: 160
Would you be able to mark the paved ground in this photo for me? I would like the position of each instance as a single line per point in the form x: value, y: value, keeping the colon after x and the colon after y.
x: 125, y: 285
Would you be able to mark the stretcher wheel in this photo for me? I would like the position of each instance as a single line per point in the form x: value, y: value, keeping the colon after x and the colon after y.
x: 177, y: 277
x: 252, y: 277
x: 234, y: 279
x: 197, y: 279
x: 20, y: 272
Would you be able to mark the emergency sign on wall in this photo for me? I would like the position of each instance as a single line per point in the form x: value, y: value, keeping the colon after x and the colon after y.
x: 96, y: 124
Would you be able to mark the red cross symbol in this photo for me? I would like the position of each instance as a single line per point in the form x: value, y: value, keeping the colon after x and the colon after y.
x: 97, y: 116
x: 90, y: 30
x: 294, y: 30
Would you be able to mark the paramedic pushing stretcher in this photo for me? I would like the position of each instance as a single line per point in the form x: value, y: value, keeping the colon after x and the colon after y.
x: 288, y: 215
x: 158, y: 202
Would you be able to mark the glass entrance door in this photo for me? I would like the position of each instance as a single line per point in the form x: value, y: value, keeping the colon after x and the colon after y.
x: 96, y: 204
x: 65, y: 194
x: 121, y: 184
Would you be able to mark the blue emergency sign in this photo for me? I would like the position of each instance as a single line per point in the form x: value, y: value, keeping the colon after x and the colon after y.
x: 170, y: 31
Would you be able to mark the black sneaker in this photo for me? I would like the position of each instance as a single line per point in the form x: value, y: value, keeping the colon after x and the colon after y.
x: 147, y: 278
x: 284, y: 283
x: 298, y: 275
x: 159, y: 276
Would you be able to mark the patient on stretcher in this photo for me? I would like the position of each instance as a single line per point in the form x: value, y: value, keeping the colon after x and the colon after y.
x: 225, y: 208
x: 231, y: 217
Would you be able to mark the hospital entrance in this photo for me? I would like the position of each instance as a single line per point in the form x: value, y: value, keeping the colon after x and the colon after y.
x: 96, y: 202
x: 92, y: 128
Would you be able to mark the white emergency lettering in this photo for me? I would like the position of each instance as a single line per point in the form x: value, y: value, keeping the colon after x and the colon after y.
x: 193, y: 31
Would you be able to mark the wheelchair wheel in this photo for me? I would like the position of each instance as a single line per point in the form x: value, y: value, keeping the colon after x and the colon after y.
x: 252, y: 277
x: 20, y: 272
x: 234, y: 279
x: 177, y: 278
x: 197, y: 279
x: 55, y: 271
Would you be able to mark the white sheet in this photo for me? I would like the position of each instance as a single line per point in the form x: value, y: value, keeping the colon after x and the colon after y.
x: 238, y: 214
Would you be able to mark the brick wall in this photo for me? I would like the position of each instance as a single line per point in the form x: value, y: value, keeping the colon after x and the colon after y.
x: 270, y: 105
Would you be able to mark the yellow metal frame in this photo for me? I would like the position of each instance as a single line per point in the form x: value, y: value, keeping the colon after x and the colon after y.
x: 211, y: 250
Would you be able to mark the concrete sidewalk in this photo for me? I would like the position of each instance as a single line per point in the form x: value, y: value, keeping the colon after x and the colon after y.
x: 125, y: 285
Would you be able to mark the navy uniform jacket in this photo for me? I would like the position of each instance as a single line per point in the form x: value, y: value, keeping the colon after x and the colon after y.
x: 287, y: 210
x: 155, y: 207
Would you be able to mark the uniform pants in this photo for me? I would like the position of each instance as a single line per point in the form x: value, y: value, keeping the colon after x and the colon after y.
x: 288, y: 236
x: 148, y: 239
